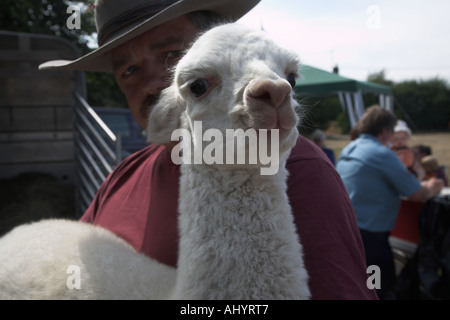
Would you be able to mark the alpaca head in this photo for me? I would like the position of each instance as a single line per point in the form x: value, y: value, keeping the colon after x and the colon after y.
x: 232, y: 78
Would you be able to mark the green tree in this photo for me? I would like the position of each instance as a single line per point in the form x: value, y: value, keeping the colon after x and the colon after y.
x: 424, y: 104
x: 50, y: 17
x: 427, y: 102
x: 380, y: 77
x: 47, y: 17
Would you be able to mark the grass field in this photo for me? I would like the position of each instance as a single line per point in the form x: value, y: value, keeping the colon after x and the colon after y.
x: 439, y: 143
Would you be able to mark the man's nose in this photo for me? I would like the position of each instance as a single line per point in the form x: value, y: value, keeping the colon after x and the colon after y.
x: 154, y: 79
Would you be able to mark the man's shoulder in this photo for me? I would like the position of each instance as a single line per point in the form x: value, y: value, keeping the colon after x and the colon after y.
x: 152, y: 150
x: 305, y: 149
x: 307, y: 162
x: 369, y: 149
x: 143, y: 159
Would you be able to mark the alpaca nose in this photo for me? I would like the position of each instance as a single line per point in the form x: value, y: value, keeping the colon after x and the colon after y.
x: 273, y: 92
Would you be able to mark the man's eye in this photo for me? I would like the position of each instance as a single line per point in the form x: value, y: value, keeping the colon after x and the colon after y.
x: 175, y: 54
x: 173, y: 57
x: 129, y: 71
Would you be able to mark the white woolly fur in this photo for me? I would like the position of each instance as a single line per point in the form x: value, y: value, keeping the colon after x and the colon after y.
x: 237, y: 236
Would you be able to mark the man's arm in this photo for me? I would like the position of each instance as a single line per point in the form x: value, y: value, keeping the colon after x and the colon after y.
x: 429, y: 189
x: 326, y: 223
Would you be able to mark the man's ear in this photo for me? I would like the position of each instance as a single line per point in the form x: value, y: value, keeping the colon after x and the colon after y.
x: 165, y: 116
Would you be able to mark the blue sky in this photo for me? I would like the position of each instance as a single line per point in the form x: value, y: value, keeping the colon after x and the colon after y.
x: 409, y: 39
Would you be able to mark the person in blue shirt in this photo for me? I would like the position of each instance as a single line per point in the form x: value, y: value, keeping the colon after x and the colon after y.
x: 319, y: 137
x: 376, y: 180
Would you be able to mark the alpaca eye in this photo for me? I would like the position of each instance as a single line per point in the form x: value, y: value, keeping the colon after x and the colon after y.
x: 291, y: 78
x: 199, y: 87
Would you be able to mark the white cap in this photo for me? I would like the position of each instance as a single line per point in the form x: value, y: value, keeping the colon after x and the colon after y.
x: 402, y: 127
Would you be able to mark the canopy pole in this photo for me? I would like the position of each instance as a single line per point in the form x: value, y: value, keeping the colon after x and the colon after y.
x: 350, y: 110
x: 359, y: 104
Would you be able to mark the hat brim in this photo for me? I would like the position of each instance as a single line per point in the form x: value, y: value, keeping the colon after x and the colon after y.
x: 99, y: 61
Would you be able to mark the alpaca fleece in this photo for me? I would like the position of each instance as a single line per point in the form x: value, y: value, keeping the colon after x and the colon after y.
x: 237, y: 236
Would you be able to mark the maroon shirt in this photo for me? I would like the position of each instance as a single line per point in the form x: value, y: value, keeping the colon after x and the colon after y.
x: 138, y: 202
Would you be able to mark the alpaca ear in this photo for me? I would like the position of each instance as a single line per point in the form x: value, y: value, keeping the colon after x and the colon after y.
x: 165, y: 116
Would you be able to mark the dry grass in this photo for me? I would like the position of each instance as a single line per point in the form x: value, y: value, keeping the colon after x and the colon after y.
x: 439, y: 143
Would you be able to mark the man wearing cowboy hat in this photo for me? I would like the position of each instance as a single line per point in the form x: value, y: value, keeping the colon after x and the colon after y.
x: 138, y: 41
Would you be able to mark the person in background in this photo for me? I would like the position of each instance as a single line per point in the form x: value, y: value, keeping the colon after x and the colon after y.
x: 319, y: 137
x: 375, y: 179
x: 430, y: 165
x: 399, y: 144
x: 140, y: 41
x: 432, y: 169
x: 429, y: 162
x: 421, y: 151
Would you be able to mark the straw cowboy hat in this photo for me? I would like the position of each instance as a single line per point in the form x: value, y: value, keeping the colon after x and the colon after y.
x: 119, y: 21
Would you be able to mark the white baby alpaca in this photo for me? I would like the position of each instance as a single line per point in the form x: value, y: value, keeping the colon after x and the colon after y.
x: 237, y: 236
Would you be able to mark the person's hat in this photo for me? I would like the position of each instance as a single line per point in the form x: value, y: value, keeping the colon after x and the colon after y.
x: 401, y: 126
x: 430, y: 164
x: 119, y: 21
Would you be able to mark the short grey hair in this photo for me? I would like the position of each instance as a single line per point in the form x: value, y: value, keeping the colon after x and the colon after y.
x: 318, y: 135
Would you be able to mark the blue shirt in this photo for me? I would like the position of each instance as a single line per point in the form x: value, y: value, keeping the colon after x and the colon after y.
x: 375, y: 179
x: 330, y: 154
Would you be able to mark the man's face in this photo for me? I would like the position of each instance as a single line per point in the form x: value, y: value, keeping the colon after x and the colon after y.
x: 400, y: 139
x: 141, y: 66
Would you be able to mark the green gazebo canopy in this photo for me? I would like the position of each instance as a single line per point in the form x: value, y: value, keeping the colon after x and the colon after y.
x: 317, y: 82
x: 314, y: 81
